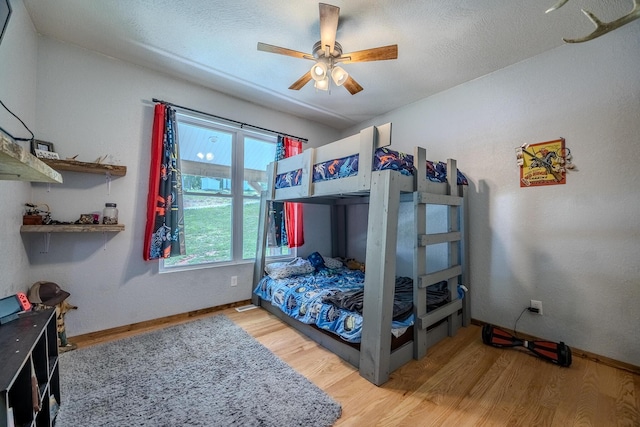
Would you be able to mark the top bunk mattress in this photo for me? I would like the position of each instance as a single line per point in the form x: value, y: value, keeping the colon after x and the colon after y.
x: 384, y: 159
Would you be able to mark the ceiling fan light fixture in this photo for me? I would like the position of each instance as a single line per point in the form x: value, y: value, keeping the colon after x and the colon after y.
x: 322, y: 84
x: 319, y: 71
x: 327, y: 53
x: 339, y: 75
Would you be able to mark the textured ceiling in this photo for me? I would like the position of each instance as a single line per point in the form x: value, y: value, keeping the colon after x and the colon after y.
x: 441, y: 43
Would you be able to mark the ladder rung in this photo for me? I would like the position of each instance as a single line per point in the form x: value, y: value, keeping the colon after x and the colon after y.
x: 439, y: 199
x: 439, y: 276
x: 436, y: 238
x: 439, y: 313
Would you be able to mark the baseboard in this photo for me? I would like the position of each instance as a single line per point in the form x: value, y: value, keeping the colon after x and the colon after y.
x: 117, y: 332
x: 576, y: 351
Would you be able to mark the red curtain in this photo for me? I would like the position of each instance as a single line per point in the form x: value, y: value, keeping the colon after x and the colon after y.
x: 157, y: 136
x: 293, y: 211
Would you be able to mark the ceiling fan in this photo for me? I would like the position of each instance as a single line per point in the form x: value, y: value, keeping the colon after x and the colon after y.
x: 327, y: 54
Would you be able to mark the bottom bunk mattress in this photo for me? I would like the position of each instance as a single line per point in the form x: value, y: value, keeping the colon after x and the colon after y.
x: 331, y: 298
x: 308, y: 297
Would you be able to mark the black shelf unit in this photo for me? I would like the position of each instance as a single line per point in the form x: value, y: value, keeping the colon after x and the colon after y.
x: 28, y: 349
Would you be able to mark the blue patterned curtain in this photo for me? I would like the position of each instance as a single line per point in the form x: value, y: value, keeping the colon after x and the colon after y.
x: 277, y: 234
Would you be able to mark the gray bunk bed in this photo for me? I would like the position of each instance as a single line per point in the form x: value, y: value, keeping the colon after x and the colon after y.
x: 383, y: 191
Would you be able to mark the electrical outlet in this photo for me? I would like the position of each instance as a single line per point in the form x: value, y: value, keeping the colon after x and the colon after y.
x: 536, y: 304
x: 234, y: 280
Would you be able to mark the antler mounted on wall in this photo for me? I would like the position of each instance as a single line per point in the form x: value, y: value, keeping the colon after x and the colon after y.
x: 601, y: 27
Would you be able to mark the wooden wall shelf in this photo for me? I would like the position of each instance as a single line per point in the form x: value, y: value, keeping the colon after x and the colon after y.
x: 17, y: 164
x: 72, y: 228
x: 76, y: 166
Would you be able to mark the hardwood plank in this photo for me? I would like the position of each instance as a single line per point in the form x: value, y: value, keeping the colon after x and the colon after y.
x: 568, y: 395
x: 443, y: 392
x: 636, y: 408
x: 498, y: 392
x: 528, y: 406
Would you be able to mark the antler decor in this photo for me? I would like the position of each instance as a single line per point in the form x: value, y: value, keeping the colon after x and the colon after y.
x: 601, y: 27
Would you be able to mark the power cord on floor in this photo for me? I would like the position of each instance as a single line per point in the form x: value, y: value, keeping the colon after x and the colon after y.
x: 515, y: 326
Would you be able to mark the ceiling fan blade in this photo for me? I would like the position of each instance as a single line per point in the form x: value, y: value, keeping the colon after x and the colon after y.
x: 283, y: 51
x: 328, y: 25
x: 352, y: 86
x: 299, y: 84
x: 375, y: 54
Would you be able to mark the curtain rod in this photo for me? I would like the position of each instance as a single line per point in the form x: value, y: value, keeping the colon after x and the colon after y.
x: 228, y: 120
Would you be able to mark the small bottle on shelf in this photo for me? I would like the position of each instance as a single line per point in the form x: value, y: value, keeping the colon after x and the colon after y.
x: 110, y: 214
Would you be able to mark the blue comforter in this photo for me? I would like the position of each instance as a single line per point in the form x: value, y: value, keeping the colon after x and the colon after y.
x: 302, y: 297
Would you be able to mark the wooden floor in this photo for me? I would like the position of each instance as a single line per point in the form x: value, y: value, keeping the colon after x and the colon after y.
x: 461, y: 382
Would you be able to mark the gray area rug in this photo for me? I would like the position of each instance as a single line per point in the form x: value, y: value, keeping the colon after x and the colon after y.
x: 208, y: 372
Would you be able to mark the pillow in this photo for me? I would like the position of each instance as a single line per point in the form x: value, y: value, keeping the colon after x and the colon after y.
x: 332, y: 263
x: 295, y: 267
x: 316, y: 261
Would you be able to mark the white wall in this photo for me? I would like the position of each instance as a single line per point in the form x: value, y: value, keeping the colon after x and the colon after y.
x: 575, y: 247
x: 18, y: 92
x: 92, y: 105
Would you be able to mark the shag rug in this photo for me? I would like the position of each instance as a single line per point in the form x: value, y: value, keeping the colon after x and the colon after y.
x: 207, y: 372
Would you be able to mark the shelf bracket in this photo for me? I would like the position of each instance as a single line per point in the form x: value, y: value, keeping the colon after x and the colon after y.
x: 47, y: 240
x: 104, y: 236
x: 108, y: 178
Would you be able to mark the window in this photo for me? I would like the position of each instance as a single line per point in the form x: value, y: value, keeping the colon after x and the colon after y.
x: 223, y: 173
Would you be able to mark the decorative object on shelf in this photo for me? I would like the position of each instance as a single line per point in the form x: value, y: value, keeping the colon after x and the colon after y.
x: 32, y: 219
x: 34, y: 215
x: 46, y: 294
x: 110, y: 214
x: 601, y: 27
x: 43, y: 150
x: 544, y: 163
x: 85, y: 219
x: 12, y: 305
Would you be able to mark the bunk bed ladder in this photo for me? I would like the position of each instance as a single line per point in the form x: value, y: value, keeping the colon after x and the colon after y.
x: 454, y: 271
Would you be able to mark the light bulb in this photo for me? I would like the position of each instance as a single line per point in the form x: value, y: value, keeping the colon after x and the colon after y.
x: 339, y: 76
x: 319, y: 71
x: 322, y: 84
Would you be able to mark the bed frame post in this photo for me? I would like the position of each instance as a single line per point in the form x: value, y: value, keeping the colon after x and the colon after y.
x: 379, y: 287
x: 261, y: 245
x: 454, y: 254
x: 419, y: 252
x: 258, y: 267
x: 464, y: 253
x: 367, y: 148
